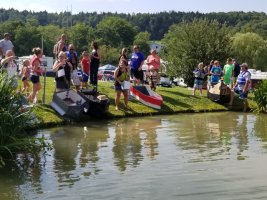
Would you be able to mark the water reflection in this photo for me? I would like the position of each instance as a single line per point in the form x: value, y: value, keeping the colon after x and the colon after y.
x: 75, y: 147
x: 213, y: 136
x: 97, y: 159
x: 130, y: 137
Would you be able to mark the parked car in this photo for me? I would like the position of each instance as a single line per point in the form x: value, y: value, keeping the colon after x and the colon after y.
x: 107, y: 67
x: 165, y: 81
x: 178, y: 81
x: 105, y: 75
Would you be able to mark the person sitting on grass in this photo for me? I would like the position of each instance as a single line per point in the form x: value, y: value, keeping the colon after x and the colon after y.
x: 242, y: 86
x: 121, y: 75
x: 199, y: 74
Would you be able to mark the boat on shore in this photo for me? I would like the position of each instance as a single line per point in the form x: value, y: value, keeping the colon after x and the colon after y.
x: 98, y: 104
x: 69, y: 103
x: 219, y: 92
x: 146, y: 96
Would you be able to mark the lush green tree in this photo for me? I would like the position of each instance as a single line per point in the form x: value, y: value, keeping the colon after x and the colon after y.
x: 142, y: 40
x: 109, y: 55
x: 50, y: 35
x: 81, y: 36
x: 27, y: 38
x: 188, y: 44
x: 251, y: 48
x: 116, y: 32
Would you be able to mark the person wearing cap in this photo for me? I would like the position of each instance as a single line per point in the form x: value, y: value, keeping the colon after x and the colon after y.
x: 5, y: 45
x: 153, y: 62
x: 242, y: 86
x: 137, y: 61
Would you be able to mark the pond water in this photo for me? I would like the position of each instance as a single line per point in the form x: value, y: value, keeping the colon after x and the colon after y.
x: 185, y: 156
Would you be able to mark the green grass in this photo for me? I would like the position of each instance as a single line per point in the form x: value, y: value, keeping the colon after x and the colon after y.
x: 175, y: 100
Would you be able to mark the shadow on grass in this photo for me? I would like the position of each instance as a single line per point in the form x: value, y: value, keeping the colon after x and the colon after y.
x: 181, y: 94
x: 172, y: 101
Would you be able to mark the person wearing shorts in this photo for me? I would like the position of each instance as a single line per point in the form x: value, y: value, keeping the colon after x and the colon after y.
x: 242, y: 86
x: 120, y: 75
x: 137, y: 61
x: 199, y: 74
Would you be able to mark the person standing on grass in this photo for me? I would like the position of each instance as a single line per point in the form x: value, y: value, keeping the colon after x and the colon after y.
x: 94, y: 64
x: 85, y: 63
x: 124, y: 56
x: 215, y: 72
x: 25, y: 75
x: 121, y: 74
x: 228, y: 72
x: 63, y: 70
x: 72, y: 57
x: 10, y: 66
x: 236, y: 70
x: 242, y: 86
x: 61, y: 45
x: 199, y: 74
x: 137, y: 61
x: 5, y: 45
x: 153, y: 62
x: 36, y: 72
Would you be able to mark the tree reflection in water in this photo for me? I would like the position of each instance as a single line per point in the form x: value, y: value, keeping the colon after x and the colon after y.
x: 123, y: 144
x: 75, y: 147
x: 209, y: 136
x: 129, y: 135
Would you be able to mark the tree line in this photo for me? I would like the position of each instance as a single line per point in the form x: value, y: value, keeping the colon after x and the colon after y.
x: 157, y: 24
x: 188, y: 38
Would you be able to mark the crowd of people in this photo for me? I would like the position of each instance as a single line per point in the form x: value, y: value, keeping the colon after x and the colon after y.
x: 67, y: 62
x: 235, y: 76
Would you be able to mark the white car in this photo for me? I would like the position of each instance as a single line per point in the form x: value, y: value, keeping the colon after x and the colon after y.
x: 179, y: 82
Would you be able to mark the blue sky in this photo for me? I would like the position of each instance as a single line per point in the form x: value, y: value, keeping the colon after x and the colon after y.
x: 136, y: 6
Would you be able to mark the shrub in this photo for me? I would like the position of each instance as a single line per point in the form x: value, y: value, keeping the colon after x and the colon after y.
x: 14, y: 122
x: 260, y: 96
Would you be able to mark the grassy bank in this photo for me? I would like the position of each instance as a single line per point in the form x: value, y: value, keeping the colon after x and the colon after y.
x: 175, y: 100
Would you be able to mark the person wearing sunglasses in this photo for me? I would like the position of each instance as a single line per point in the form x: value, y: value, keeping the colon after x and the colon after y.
x: 72, y: 57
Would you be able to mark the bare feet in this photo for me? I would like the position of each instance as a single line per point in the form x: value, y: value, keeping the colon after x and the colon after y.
x: 116, y: 108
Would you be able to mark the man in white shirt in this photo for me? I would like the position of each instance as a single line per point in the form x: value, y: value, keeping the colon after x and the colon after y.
x: 5, y: 45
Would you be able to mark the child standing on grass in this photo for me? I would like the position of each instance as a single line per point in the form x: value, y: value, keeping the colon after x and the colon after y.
x: 85, y: 63
x: 199, y: 74
x: 25, y: 75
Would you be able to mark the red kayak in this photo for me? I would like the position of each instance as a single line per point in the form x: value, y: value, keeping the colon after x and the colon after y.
x: 146, y: 96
